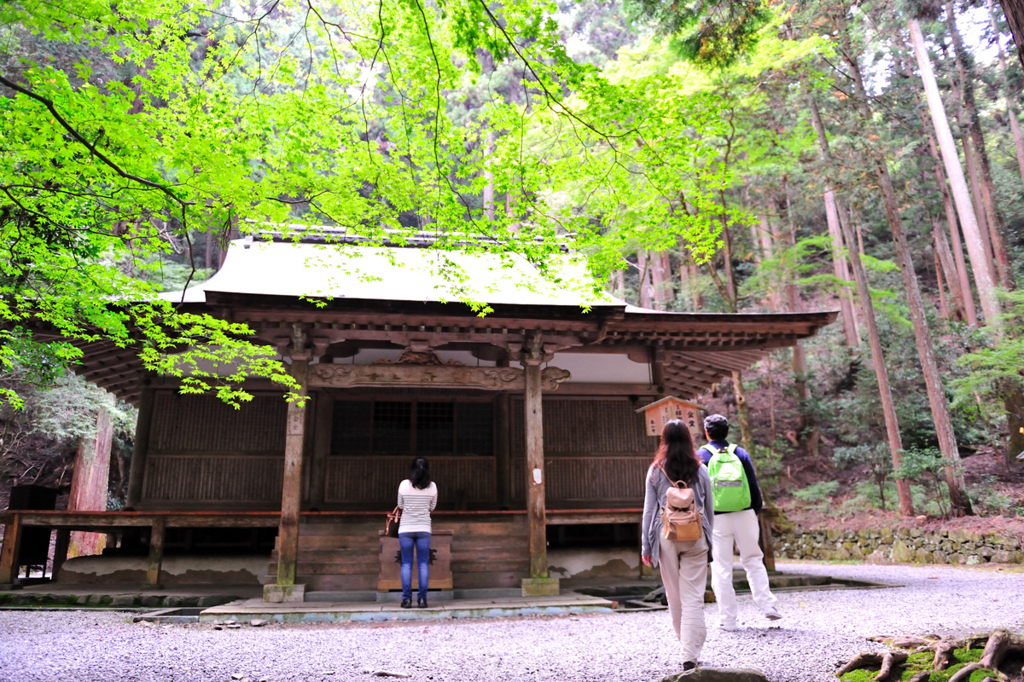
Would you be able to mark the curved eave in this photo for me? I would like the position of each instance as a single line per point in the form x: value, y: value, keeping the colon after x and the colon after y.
x: 697, y: 349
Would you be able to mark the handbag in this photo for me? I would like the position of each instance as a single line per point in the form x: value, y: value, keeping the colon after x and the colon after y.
x: 391, y: 524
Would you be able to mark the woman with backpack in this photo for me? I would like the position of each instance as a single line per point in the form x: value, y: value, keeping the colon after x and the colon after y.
x: 676, y: 533
x: 417, y: 497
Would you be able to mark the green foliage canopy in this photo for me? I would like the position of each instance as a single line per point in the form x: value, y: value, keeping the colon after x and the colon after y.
x: 125, y: 122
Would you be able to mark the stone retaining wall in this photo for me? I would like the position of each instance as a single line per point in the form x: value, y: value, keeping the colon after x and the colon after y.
x: 901, y: 545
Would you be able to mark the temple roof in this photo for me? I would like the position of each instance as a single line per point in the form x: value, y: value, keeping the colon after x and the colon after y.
x: 377, y: 273
x: 403, y: 297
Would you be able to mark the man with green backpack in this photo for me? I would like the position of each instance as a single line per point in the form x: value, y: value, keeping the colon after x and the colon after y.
x: 737, y: 502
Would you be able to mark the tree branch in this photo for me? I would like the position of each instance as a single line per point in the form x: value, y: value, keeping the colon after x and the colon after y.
x: 85, y: 143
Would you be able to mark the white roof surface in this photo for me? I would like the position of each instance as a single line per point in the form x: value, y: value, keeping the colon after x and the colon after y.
x: 383, y: 273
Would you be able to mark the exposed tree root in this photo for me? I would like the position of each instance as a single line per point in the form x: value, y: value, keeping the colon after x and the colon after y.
x: 964, y: 673
x: 998, y: 649
x: 866, y: 659
x: 943, y: 655
x: 890, y: 660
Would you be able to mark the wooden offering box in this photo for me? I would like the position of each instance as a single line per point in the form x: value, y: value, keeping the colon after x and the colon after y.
x: 440, y: 563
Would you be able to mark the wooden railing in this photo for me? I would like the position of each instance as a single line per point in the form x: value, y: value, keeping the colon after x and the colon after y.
x: 159, y: 521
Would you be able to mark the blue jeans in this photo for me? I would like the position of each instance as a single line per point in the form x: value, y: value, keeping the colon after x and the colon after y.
x: 421, y: 541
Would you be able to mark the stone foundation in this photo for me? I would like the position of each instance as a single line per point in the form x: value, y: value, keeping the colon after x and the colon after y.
x: 905, y: 545
x: 176, y: 570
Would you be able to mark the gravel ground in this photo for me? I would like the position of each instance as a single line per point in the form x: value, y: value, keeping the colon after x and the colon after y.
x: 818, y: 630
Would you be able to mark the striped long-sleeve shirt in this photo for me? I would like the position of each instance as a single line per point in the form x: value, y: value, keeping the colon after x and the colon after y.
x: 416, y: 506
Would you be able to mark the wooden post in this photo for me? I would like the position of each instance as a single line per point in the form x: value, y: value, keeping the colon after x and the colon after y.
x: 9, y: 551
x: 60, y: 551
x: 140, y: 450
x: 156, y: 551
x: 535, y: 503
x: 291, y: 493
x: 657, y: 355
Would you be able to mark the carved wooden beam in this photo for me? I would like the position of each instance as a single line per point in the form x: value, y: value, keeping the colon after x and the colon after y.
x: 444, y: 376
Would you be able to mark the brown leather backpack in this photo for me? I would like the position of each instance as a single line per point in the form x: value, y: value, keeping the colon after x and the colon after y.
x: 681, y: 520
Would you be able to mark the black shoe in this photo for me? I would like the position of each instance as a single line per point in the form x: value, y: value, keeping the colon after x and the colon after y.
x: 406, y: 603
x: 422, y: 602
x: 689, y: 667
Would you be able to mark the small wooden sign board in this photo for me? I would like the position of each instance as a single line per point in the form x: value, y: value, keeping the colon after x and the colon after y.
x: 661, y: 412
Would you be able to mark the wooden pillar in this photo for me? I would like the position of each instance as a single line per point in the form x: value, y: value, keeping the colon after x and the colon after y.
x: 535, y: 503
x: 657, y: 359
x: 60, y: 551
x: 156, y: 551
x: 140, y: 450
x: 291, y: 493
x: 9, y: 551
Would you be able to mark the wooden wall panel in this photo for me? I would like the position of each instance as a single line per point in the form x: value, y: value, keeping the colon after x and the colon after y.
x: 586, y: 426
x: 191, y: 423
x: 375, y: 480
x: 587, y: 482
x: 216, y: 478
x: 596, y: 453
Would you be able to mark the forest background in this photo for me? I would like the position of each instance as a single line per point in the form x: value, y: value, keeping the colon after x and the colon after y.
x: 723, y: 156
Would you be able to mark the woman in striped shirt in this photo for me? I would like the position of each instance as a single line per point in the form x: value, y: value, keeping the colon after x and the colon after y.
x: 417, y: 497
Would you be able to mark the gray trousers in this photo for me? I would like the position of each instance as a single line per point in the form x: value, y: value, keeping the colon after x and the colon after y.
x: 684, y: 571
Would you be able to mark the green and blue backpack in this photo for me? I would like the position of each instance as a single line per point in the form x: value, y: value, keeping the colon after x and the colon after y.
x: 730, y: 488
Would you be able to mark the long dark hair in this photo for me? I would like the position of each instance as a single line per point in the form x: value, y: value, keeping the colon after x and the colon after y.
x: 676, y: 454
x: 419, y: 473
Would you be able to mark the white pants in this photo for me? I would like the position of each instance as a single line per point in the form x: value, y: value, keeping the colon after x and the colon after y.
x: 684, y: 572
x: 741, y: 527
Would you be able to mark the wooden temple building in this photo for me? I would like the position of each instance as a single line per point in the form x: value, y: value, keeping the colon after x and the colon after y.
x: 528, y: 417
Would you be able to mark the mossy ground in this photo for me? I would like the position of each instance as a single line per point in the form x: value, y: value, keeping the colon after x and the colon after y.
x: 923, y: 661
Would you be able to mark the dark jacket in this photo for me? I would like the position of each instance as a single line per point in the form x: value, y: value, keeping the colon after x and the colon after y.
x: 748, y: 467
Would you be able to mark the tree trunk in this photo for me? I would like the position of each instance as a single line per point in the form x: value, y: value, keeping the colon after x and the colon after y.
x: 684, y: 279
x: 744, y: 411
x: 489, y: 177
x: 657, y: 279
x: 943, y: 306
x: 955, y: 173
x: 947, y: 204
x: 767, y: 235
x: 730, y: 280
x: 892, y: 428
x: 959, y: 501
x: 988, y: 194
x: 689, y: 270
x: 1013, y: 403
x: 1014, y: 10
x: 799, y: 358
x: 661, y: 271
x: 1008, y: 94
x: 979, y: 207
x: 944, y: 259
x: 835, y: 232
x: 644, y: 263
